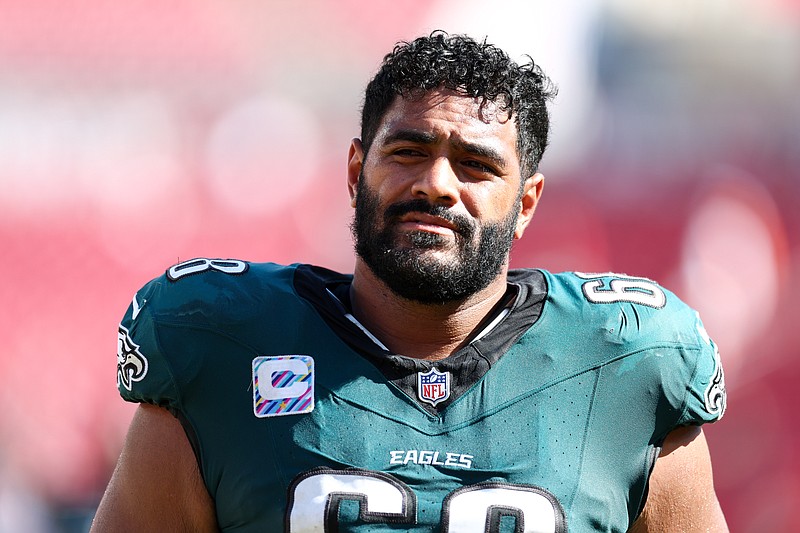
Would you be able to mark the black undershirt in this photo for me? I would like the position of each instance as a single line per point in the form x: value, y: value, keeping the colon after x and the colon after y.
x: 525, y: 296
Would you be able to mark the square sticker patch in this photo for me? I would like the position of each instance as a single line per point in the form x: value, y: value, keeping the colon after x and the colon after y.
x: 283, y: 385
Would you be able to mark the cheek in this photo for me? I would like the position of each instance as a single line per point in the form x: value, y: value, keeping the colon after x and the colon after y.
x: 489, y: 204
x: 382, y: 184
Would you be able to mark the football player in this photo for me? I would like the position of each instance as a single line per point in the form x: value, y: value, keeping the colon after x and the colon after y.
x: 433, y: 389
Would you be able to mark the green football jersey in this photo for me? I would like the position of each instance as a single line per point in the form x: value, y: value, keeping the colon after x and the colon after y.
x: 549, y: 420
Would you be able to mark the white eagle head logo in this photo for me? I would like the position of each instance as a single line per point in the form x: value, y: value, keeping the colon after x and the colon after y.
x: 131, y: 364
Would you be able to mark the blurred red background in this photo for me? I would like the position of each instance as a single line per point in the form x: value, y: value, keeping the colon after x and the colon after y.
x: 135, y: 135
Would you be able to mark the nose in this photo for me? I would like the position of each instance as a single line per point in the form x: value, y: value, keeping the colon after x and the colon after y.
x: 437, y: 183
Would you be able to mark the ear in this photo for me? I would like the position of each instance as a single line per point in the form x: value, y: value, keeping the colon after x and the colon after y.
x: 532, y: 191
x: 355, y: 162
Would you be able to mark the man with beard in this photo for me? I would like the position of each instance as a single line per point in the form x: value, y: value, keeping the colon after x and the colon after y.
x: 433, y: 389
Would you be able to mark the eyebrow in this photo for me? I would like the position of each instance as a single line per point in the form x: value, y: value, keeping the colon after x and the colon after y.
x: 415, y: 136
x: 427, y: 138
x: 483, y: 151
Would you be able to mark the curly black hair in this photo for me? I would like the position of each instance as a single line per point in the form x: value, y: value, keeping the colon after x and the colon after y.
x: 476, y: 69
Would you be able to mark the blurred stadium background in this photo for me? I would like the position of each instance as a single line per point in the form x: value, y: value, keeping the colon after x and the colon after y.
x: 137, y: 134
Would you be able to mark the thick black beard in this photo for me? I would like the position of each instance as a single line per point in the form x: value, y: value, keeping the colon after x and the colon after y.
x: 408, y: 272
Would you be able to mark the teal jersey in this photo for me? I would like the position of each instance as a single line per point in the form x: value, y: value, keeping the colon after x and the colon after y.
x: 550, y: 419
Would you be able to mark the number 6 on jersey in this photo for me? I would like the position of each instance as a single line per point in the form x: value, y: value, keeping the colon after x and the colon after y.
x: 622, y: 288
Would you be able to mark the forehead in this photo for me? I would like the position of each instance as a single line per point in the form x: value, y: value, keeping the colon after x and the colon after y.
x: 448, y: 114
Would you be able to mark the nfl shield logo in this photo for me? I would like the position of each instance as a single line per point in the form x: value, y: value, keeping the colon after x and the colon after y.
x: 433, y: 387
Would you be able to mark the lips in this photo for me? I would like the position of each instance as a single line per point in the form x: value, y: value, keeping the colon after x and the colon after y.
x: 420, y: 216
x: 428, y: 222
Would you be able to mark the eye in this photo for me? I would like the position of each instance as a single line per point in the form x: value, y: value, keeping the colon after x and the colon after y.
x: 407, y: 152
x: 480, y: 166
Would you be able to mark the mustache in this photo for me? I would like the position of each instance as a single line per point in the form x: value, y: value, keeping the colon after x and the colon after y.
x: 395, y: 211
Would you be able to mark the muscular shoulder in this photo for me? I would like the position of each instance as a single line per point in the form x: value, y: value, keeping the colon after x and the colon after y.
x: 199, y: 306
x: 609, y: 318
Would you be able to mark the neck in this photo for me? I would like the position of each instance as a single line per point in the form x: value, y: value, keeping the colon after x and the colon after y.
x: 414, y: 329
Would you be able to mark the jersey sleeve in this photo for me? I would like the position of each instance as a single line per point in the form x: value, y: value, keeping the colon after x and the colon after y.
x: 143, y: 371
x: 706, y: 397
x: 635, y: 319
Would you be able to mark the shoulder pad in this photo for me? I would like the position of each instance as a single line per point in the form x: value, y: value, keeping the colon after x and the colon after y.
x: 638, y: 315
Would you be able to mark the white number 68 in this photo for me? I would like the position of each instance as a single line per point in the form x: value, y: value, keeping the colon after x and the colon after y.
x: 315, y: 497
